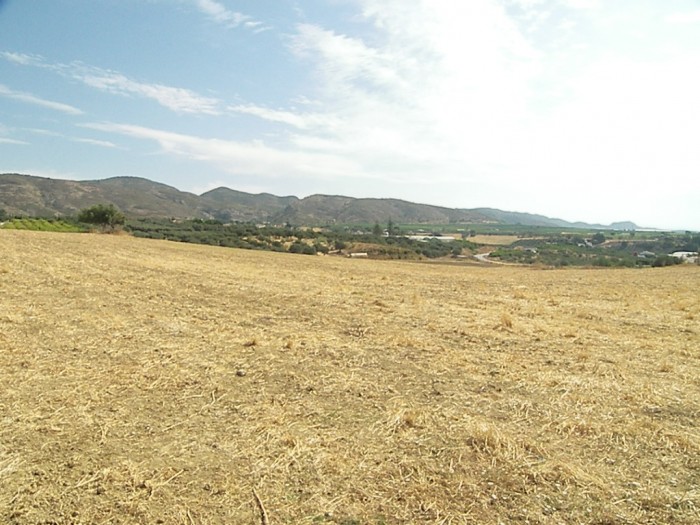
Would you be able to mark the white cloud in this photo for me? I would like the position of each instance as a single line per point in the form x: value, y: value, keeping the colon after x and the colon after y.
x: 180, y: 100
x: 434, y: 95
x: 4, y: 140
x: 38, y: 101
x: 684, y: 18
x: 250, y: 158
x: 582, y: 4
x: 21, y: 58
x: 302, y: 121
x: 95, y: 142
x: 221, y: 15
x: 176, y: 99
x: 485, y: 102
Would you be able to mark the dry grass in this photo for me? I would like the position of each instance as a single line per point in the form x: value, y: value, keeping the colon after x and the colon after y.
x: 495, y: 240
x: 154, y: 382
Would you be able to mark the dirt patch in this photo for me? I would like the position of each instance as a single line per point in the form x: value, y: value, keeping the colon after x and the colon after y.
x: 494, y: 240
x: 155, y: 382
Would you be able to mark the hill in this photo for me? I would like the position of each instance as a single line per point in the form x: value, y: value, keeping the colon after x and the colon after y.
x: 173, y: 383
x: 324, y: 209
x: 44, y: 197
x: 138, y: 197
x: 235, y: 205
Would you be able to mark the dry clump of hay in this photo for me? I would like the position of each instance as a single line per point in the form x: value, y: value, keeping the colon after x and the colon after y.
x: 374, y: 392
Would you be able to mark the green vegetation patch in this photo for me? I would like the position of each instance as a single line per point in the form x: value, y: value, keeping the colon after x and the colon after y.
x: 301, y: 240
x: 600, y: 249
x: 43, y: 225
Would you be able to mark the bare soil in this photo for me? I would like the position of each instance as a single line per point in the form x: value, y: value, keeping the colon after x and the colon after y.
x: 153, y: 382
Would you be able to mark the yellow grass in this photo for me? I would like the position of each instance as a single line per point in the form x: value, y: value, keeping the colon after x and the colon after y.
x: 494, y: 240
x: 154, y: 382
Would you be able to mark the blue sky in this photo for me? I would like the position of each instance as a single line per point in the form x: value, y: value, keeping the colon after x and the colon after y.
x: 578, y: 109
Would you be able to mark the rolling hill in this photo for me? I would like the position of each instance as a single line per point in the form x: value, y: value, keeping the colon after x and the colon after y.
x: 137, y: 197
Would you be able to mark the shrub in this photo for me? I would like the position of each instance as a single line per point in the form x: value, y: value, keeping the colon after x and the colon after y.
x: 665, y: 260
x: 107, y: 216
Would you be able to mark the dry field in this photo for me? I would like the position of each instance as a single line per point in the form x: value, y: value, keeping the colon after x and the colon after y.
x: 154, y: 382
x: 495, y: 240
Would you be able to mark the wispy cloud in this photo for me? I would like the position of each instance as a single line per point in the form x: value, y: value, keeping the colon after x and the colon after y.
x: 4, y: 140
x: 251, y: 158
x: 21, y: 58
x: 301, y: 121
x: 432, y: 93
x: 38, y: 101
x: 490, y: 102
x: 94, y: 142
x: 218, y: 12
x: 180, y: 100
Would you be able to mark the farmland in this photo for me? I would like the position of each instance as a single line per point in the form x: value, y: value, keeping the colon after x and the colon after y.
x: 147, y: 381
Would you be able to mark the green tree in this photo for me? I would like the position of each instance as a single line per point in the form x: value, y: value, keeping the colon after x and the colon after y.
x: 598, y: 238
x: 3, y: 215
x: 377, y: 230
x: 105, y: 215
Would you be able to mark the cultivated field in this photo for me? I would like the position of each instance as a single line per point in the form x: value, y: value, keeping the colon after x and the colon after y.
x: 155, y: 382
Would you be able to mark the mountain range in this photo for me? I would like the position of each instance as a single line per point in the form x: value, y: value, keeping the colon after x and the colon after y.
x: 27, y: 195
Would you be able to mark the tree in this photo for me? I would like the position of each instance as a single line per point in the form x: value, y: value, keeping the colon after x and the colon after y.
x: 3, y: 215
x: 598, y: 238
x: 104, y: 215
x: 377, y: 230
x: 392, y: 228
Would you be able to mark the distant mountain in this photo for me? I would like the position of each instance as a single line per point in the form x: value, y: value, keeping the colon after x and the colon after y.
x: 39, y: 196
x: 320, y: 209
x: 232, y: 205
x: 529, y: 219
x: 138, y: 197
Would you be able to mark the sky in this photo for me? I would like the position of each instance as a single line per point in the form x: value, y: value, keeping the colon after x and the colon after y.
x: 584, y: 110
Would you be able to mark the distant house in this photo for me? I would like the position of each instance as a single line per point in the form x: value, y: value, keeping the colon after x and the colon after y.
x: 526, y: 249
x: 426, y: 238
x: 646, y: 255
x: 358, y: 255
x: 691, y: 257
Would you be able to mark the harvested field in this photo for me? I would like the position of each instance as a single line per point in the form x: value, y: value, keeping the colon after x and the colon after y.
x: 495, y: 240
x: 155, y: 382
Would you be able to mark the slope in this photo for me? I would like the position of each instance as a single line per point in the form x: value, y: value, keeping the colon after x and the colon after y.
x: 177, y: 379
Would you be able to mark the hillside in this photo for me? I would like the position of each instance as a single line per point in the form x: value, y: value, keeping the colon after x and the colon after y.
x: 43, y: 197
x: 320, y: 209
x: 137, y: 197
x: 235, y: 205
x: 173, y: 383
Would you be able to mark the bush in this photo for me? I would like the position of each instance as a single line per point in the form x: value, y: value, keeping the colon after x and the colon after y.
x: 106, y: 216
x: 665, y: 260
x: 300, y: 247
